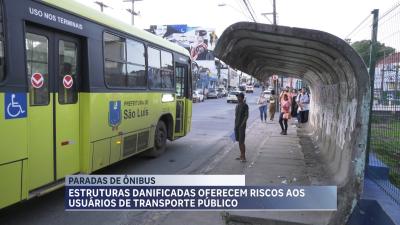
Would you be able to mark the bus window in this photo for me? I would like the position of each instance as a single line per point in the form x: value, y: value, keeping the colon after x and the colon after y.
x: 125, y: 62
x: 2, y: 56
x: 115, y: 66
x: 154, y: 68
x: 136, y: 66
x: 167, y: 70
x: 68, y: 57
x: 180, y: 81
x: 37, y: 67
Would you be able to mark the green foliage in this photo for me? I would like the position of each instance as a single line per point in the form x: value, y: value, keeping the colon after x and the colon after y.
x: 385, y: 142
x: 363, y: 48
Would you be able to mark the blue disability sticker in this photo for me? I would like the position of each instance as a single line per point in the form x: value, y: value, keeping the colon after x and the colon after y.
x: 15, y: 105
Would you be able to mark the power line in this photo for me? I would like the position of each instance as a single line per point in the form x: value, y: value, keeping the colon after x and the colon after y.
x: 251, y: 7
x: 359, y: 25
x: 249, y: 10
x: 388, y: 19
x: 243, y: 9
x: 237, y: 10
x: 266, y: 16
x: 390, y: 10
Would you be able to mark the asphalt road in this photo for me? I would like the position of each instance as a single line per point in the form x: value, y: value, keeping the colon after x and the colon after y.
x: 212, y: 122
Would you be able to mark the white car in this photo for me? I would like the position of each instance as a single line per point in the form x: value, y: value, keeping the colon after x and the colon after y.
x: 223, y: 91
x: 249, y: 89
x: 232, y: 96
x: 198, y: 96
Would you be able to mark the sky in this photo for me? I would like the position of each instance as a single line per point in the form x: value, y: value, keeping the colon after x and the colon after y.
x: 338, y: 17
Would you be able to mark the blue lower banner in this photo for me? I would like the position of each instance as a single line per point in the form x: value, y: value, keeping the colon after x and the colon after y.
x: 315, y: 198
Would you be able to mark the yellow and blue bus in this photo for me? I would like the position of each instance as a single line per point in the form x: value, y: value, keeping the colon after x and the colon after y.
x: 80, y: 91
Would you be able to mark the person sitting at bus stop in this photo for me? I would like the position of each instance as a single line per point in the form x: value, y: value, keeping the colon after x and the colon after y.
x: 241, y: 116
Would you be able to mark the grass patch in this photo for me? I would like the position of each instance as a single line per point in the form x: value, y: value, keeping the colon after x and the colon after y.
x: 385, y: 143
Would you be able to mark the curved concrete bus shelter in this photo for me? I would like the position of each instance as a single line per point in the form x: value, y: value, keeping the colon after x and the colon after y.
x: 340, y: 93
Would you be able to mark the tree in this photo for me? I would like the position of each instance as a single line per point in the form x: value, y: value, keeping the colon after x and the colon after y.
x: 363, y: 48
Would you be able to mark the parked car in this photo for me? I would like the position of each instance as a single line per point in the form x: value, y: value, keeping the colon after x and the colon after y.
x: 204, y: 92
x: 223, y: 91
x: 198, y: 96
x: 249, y: 89
x: 212, y: 93
x: 219, y: 93
x: 232, y: 96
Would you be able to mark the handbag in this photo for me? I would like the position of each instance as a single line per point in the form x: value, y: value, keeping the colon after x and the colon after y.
x: 233, y: 136
x: 286, y: 116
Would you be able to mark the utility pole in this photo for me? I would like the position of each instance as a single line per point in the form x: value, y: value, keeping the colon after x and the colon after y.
x: 229, y: 78
x: 274, y: 12
x: 397, y: 82
x: 102, y: 5
x: 276, y: 93
x: 132, y: 10
x: 371, y: 71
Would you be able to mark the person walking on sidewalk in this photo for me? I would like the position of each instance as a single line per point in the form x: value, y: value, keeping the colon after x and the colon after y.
x: 285, y: 112
x: 304, y: 105
x: 272, y: 105
x: 262, y: 106
x: 241, y: 116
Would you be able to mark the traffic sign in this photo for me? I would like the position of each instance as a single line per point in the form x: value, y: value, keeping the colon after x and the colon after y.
x: 274, y: 77
x: 68, y: 81
x: 37, y: 80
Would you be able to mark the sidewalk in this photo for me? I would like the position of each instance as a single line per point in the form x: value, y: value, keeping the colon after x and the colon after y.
x: 272, y: 158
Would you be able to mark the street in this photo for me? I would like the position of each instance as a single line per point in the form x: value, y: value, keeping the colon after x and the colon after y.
x: 197, y: 153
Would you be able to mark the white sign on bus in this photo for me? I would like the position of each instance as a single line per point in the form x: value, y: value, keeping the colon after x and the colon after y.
x: 54, y: 18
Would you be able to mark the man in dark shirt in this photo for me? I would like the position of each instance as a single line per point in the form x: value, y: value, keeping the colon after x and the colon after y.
x: 241, y: 115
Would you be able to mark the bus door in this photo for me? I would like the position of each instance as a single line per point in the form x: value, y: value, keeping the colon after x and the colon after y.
x: 183, y: 100
x: 53, y: 70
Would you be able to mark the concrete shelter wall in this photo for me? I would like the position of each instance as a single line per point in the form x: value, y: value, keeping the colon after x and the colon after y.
x: 340, y: 92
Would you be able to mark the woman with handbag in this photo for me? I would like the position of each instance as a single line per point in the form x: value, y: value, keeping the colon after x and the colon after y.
x: 285, y: 113
x: 262, y: 106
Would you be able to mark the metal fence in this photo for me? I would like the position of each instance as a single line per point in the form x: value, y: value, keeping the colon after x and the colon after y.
x: 384, y: 152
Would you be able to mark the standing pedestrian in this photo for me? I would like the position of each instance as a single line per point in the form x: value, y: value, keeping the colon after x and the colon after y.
x: 262, y: 106
x: 241, y: 116
x: 304, y: 105
x: 294, y: 103
x: 272, y: 105
x: 285, y: 112
x: 298, y: 107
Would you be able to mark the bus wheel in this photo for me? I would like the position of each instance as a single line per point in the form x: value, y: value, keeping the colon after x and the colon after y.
x: 160, y: 140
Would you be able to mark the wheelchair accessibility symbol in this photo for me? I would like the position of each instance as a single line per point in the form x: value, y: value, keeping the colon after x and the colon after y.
x: 15, y: 105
